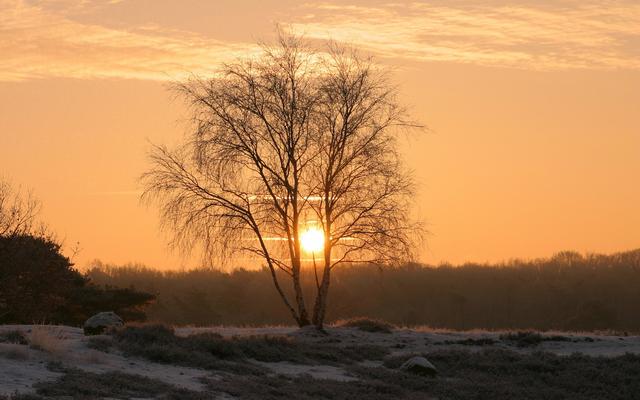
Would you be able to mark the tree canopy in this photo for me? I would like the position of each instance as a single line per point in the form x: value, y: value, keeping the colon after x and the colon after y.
x: 293, y: 141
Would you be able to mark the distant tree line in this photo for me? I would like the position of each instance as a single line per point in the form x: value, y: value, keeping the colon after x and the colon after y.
x: 568, y: 291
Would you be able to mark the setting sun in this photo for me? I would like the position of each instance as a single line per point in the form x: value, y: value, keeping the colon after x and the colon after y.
x: 312, y: 240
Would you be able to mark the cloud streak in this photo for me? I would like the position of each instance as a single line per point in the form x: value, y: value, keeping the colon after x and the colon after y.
x: 604, y: 35
x: 38, y: 42
x: 47, y: 39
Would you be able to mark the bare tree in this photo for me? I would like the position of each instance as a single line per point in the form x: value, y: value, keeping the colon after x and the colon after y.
x: 279, y: 142
x: 363, y: 191
x: 19, y: 211
x: 235, y: 184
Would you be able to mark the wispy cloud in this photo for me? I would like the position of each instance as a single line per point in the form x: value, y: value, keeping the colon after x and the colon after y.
x: 48, y: 38
x: 41, y: 41
x: 601, y: 35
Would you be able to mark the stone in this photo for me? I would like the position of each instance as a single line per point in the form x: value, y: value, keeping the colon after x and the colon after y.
x: 100, y: 322
x: 420, y: 366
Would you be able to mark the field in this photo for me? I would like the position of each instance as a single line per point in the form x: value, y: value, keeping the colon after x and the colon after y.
x: 356, y: 359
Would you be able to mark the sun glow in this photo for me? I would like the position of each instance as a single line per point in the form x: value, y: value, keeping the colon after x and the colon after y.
x: 312, y: 240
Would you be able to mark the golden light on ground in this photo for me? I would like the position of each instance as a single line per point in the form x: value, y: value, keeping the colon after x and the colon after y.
x: 312, y: 240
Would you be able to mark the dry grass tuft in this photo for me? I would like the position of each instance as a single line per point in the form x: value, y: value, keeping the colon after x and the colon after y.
x: 48, y: 339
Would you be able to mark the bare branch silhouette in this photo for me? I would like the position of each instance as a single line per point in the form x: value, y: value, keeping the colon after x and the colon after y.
x: 292, y: 136
x: 364, y: 191
x: 19, y: 211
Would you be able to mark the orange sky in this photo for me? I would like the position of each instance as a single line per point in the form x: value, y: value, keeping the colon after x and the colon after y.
x: 534, y: 112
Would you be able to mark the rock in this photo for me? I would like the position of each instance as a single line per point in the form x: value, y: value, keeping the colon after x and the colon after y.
x: 420, y: 366
x: 100, y: 322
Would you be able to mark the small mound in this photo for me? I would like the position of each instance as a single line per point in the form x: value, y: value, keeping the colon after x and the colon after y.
x: 309, y: 331
x: 367, y: 325
x: 531, y: 339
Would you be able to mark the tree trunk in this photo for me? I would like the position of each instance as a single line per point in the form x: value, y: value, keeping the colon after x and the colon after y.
x: 303, y: 317
x: 320, y: 306
x: 274, y: 277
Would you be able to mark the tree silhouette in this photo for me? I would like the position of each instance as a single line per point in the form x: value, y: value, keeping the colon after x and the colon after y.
x: 18, y: 211
x: 38, y: 283
x: 293, y: 139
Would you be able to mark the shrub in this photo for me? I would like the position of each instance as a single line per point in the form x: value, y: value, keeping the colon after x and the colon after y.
x: 16, y: 337
x: 367, y: 325
x: 523, y: 339
x: 212, y: 351
x: 529, y: 338
x: 36, y: 279
x: 470, y: 342
x: 158, y: 343
x: 100, y: 343
x: 40, y: 284
x: 90, y: 299
x: 82, y: 384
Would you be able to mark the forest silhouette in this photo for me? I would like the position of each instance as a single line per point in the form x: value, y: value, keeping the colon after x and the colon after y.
x: 568, y: 291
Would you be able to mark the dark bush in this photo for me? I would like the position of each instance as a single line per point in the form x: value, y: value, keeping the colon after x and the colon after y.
x: 83, y: 302
x: 529, y: 338
x: 36, y: 280
x: 79, y: 384
x: 367, y: 325
x: 101, y: 343
x: 470, y: 342
x: 39, y: 284
x: 523, y: 339
x: 15, y: 337
x: 211, y: 351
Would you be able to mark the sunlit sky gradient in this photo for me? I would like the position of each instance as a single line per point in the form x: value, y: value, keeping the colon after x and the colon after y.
x: 533, y: 110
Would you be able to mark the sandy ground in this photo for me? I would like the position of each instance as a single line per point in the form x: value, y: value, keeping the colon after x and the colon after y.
x: 22, y: 366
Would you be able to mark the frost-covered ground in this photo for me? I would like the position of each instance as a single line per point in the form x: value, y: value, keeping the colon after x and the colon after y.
x: 426, y: 339
x: 21, y: 366
x: 60, y: 356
